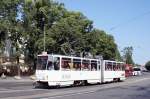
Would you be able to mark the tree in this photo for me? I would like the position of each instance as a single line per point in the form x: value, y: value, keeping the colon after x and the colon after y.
x: 101, y: 43
x: 127, y: 55
x: 69, y: 33
x: 66, y: 32
x: 118, y: 56
x: 147, y: 65
x: 9, y: 28
x: 2, y: 41
x: 38, y: 17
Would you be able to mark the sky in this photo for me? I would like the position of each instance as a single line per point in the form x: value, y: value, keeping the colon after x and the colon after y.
x: 127, y: 20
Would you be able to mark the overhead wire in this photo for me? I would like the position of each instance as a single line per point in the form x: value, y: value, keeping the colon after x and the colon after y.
x: 130, y: 20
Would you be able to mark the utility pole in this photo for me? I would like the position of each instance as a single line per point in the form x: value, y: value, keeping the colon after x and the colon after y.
x: 43, y: 23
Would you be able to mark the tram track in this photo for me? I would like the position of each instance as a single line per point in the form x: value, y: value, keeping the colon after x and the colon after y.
x: 62, y: 92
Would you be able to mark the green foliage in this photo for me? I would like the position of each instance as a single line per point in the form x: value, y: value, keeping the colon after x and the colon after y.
x: 147, y: 65
x: 66, y: 32
x: 38, y: 17
x: 69, y: 33
x: 128, y: 52
x: 9, y: 27
x: 118, y: 56
x: 101, y: 43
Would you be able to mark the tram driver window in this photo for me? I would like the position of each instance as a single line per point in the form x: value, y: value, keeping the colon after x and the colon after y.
x: 50, y: 65
x: 43, y: 64
x: 56, y: 63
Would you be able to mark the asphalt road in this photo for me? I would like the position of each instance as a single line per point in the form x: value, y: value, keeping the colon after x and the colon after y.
x: 133, y: 88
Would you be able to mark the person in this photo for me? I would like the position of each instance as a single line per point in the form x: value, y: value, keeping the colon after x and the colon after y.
x: 85, y: 67
x: 56, y: 65
x: 49, y: 66
x: 66, y: 66
x: 93, y: 67
x: 75, y: 66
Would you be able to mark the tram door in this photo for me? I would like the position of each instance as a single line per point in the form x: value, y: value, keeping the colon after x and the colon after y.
x: 100, y: 70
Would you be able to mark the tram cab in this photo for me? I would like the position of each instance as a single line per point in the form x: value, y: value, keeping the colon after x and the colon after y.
x: 48, y: 67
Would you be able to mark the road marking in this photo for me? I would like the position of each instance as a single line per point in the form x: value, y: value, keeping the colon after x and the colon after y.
x: 10, y: 91
x: 73, y: 92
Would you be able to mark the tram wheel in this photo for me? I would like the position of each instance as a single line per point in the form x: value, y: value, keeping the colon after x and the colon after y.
x: 84, y: 82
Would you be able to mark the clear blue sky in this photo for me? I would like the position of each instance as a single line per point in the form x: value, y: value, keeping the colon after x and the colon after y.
x: 127, y: 20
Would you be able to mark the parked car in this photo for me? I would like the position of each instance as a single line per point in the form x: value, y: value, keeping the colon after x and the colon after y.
x: 136, y: 71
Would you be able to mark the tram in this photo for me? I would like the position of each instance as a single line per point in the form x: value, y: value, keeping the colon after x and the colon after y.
x: 60, y: 70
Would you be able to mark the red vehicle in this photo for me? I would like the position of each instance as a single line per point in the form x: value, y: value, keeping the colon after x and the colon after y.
x: 128, y: 70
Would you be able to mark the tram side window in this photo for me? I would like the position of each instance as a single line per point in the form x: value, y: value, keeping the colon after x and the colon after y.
x: 65, y: 63
x: 114, y: 66
x: 56, y: 63
x: 108, y: 66
x: 105, y: 66
x: 117, y: 67
x: 93, y: 65
x: 76, y: 64
x: 121, y: 67
x: 85, y: 65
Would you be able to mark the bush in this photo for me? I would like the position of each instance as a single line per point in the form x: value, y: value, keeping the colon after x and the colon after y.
x: 147, y: 65
x: 12, y: 70
x: 1, y: 70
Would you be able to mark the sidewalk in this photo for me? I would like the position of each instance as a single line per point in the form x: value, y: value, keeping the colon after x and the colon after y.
x: 12, y: 79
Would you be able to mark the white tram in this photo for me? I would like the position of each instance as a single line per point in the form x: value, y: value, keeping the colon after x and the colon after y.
x: 59, y: 70
x: 113, y: 71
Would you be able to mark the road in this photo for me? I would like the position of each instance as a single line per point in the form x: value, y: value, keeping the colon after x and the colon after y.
x: 133, y: 88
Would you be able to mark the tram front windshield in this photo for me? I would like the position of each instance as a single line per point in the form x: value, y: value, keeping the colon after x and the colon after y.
x: 48, y: 63
x: 42, y: 62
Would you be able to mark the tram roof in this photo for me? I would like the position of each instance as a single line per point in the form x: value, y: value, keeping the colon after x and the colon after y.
x: 65, y: 56
x: 113, y: 61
